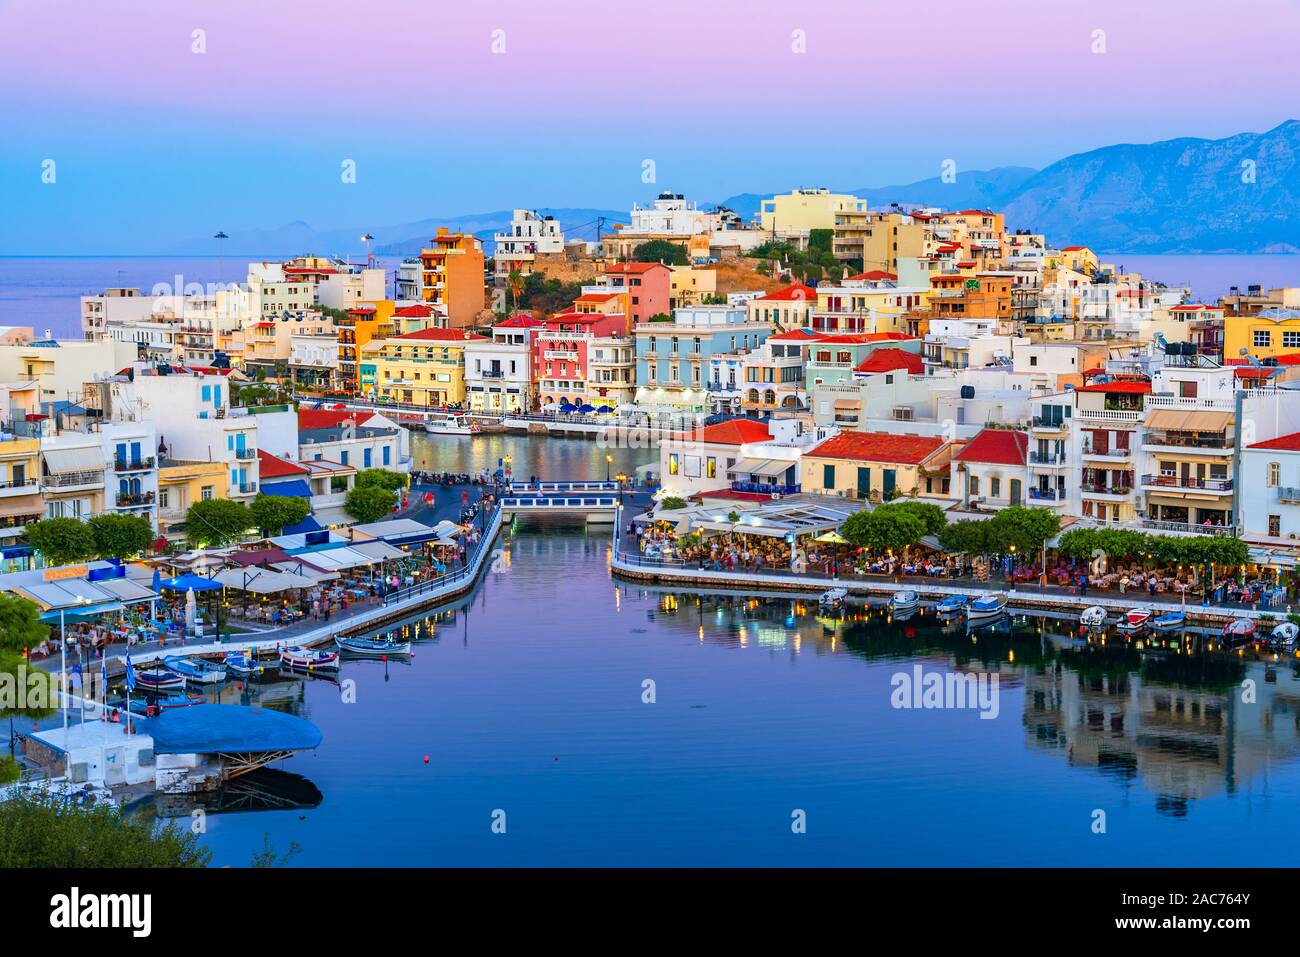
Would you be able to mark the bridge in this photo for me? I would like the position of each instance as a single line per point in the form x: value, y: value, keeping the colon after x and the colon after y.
x: 599, y: 509
x: 545, y: 488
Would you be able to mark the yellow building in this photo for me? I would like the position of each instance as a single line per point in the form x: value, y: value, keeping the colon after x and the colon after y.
x: 419, y: 368
x: 877, y: 466
x: 805, y: 209
x: 20, y: 491
x: 689, y: 285
x: 180, y: 485
x: 1273, y: 332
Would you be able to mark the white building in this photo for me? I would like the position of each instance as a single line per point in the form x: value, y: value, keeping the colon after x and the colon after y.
x: 498, y: 370
x: 528, y: 236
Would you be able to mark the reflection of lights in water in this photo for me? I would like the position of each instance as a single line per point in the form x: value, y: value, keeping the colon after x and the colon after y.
x: 770, y: 637
x: 1011, y: 656
x: 618, y: 599
x: 701, y: 633
x: 798, y: 642
x: 743, y: 636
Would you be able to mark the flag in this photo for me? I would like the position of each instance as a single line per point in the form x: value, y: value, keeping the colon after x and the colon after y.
x: 130, y: 675
x: 103, y: 679
x: 74, y: 681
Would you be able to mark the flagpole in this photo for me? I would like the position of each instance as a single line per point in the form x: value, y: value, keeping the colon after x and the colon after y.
x: 63, y: 675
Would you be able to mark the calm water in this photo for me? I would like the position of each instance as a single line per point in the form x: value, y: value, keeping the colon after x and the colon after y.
x: 43, y: 292
x: 528, y: 699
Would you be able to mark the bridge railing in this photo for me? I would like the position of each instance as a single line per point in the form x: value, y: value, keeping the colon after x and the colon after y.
x: 470, y: 570
x: 559, y: 502
x: 595, y: 486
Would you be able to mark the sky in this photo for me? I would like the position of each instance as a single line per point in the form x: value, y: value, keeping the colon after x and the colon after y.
x: 159, y: 133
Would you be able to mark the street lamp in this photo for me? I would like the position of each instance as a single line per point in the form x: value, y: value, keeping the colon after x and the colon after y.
x: 609, y: 460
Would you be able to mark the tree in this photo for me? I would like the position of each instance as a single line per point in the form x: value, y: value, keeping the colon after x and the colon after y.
x: 21, y: 629
x: 218, y: 521
x: 121, y: 536
x: 885, y: 528
x: 272, y: 513
x: 46, y: 830
x: 515, y: 284
x: 1025, y: 528
x: 660, y: 251
x: 62, y: 541
x: 660, y: 317
x: 368, y: 503
x: 932, y: 516
x: 383, y: 478
x: 671, y: 503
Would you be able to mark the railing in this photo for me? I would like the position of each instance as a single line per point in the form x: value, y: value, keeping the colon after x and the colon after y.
x: 245, y: 454
x: 1097, y: 488
x: 1288, y: 494
x: 1189, y: 527
x: 133, y: 465
x: 1110, y: 453
x: 1054, y: 424
x: 1109, y: 415
x: 596, y: 486
x: 1155, y: 439
x: 1044, y: 494
x: 560, y: 503
x: 1179, y: 402
x: 245, y: 488
x: 468, y: 572
x: 765, y: 489
x: 131, y: 500
x: 1188, y: 482
x: 28, y: 483
x: 69, y: 479
x: 1046, y: 458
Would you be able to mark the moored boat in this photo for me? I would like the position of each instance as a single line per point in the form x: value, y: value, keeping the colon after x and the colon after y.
x: 1094, y: 617
x: 1239, y: 630
x: 987, y: 606
x: 1169, y: 621
x: 451, y: 423
x: 160, y: 703
x: 1135, y: 620
x: 904, y: 599
x: 309, y: 659
x: 952, y: 605
x: 373, y: 647
x: 159, y: 679
x: 196, y: 670
x: 243, y: 663
x: 1284, y: 635
x: 833, y: 597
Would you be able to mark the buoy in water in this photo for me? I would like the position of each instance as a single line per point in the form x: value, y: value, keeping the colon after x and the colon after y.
x: 426, y: 759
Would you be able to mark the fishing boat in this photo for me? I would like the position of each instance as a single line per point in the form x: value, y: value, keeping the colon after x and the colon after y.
x: 952, y: 605
x: 159, y: 679
x: 904, y: 599
x: 1094, y: 617
x: 196, y: 670
x: 373, y: 647
x: 243, y: 663
x: 987, y: 606
x: 1239, y: 630
x: 1284, y: 635
x: 451, y: 423
x: 309, y: 659
x: 833, y: 597
x: 1169, y: 621
x: 1135, y: 620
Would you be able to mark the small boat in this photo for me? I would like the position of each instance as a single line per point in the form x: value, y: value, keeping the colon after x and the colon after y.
x: 196, y: 670
x: 1239, y: 630
x: 151, y: 707
x: 987, y: 606
x: 1094, y: 617
x: 373, y: 647
x: 243, y: 663
x: 1284, y: 635
x: 905, y: 599
x: 833, y: 597
x: 1169, y: 621
x: 1135, y: 620
x: 309, y: 659
x: 450, y: 424
x: 952, y: 605
x: 159, y: 679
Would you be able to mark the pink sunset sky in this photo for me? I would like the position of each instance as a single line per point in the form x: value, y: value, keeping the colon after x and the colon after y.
x: 150, y: 136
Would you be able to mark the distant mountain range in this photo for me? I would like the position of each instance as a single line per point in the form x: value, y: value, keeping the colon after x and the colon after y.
x: 1240, y: 194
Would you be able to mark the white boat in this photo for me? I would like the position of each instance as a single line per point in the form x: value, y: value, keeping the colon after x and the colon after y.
x: 989, y: 606
x: 451, y: 423
x: 1284, y: 635
x: 1135, y: 620
x: 833, y: 598
x: 1094, y: 617
x: 952, y: 605
x: 1239, y: 630
x: 308, y: 659
x: 196, y: 670
x: 904, y: 599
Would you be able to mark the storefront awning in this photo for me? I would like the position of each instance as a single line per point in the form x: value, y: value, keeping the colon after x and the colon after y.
x: 74, y: 460
x: 1182, y: 420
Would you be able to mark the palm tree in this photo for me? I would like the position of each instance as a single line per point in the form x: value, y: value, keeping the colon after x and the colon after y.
x: 515, y: 283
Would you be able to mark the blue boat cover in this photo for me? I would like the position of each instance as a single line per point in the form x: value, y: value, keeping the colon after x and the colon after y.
x: 230, y: 729
x: 187, y: 581
x: 294, y: 488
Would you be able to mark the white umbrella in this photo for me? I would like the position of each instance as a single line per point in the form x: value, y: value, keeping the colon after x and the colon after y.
x: 191, y: 610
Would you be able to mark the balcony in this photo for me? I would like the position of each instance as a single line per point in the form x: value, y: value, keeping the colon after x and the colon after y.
x: 1118, y: 416
x: 1187, y: 528
x: 244, y: 488
x: 1041, y: 424
x: 492, y: 374
x: 135, y: 500
x: 72, y: 480
x: 1186, y: 483
x: 1046, y: 458
x: 1106, y: 453
x: 245, y: 454
x: 24, y: 487
x: 1190, y: 404
x: 1045, y: 495
x: 133, y: 465
x: 1186, y: 444
x: 1287, y: 494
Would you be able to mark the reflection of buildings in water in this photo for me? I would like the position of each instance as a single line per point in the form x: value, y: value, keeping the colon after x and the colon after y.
x: 1184, y: 743
x: 534, y: 539
x: 271, y: 690
x: 740, y: 621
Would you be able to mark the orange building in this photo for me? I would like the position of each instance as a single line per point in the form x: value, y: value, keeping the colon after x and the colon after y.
x: 962, y: 296
x: 452, y: 278
x: 358, y: 327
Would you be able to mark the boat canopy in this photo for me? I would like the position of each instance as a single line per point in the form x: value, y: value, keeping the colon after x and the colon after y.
x: 230, y: 729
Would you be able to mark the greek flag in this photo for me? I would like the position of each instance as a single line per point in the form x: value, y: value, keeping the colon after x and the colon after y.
x: 130, y: 675
x: 74, y: 681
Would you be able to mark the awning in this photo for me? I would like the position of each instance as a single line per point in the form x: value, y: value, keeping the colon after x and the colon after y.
x: 768, y: 467
x: 378, y: 550
x: 295, y: 488
x: 308, y: 524
x: 303, y: 570
x: 74, y: 460
x: 262, y: 581
x: 21, y: 505
x: 127, y: 591
x: 1182, y: 420
x: 847, y: 404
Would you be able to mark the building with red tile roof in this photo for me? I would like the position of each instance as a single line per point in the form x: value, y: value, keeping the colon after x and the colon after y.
x: 992, y: 470
x: 877, y: 466
x: 996, y: 447
x: 273, y: 467
x: 891, y: 360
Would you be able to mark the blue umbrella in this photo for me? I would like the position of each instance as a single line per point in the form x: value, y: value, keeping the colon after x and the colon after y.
x: 157, y: 579
x: 586, y: 408
x: 568, y: 407
x: 603, y: 409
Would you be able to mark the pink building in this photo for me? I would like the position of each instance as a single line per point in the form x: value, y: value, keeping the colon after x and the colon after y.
x: 648, y: 287
x: 563, y: 356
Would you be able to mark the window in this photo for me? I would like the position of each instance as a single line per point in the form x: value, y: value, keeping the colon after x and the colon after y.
x: 343, y: 457
x: 1263, y: 338
x: 205, y: 493
x: 1275, y: 522
x: 995, y: 487
x: 164, y: 498
x: 974, y: 484
x: 1274, y: 474
x: 673, y: 464
x: 387, y: 455
x: 1291, y: 340
x: 828, y: 476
